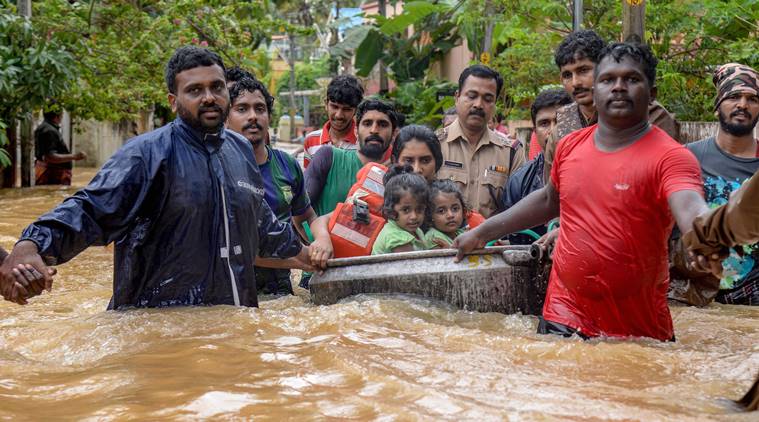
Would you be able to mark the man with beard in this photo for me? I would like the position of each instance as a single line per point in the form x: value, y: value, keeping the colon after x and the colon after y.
x: 333, y: 170
x: 727, y: 161
x: 477, y: 158
x: 344, y: 93
x: 619, y: 186
x: 183, y: 205
x: 283, y: 178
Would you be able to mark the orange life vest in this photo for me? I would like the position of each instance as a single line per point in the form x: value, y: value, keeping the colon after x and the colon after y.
x: 369, y: 187
x: 356, y: 223
x: 474, y: 219
x: 353, y: 236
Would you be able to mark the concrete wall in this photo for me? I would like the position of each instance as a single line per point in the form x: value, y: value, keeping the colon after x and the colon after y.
x: 454, y: 62
x: 100, y: 140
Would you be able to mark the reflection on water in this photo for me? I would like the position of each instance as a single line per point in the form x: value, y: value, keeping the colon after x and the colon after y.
x: 384, y: 358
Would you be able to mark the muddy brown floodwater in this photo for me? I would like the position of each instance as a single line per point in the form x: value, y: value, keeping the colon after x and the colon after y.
x: 368, y: 358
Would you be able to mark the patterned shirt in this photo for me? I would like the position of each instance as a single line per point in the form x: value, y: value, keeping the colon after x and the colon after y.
x: 724, y: 173
x: 283, y: 184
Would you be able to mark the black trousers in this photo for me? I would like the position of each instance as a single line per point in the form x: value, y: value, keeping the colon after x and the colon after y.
x: 273, y: 281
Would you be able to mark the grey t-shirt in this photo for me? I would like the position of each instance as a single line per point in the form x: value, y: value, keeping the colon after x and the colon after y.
x: 723, y: 173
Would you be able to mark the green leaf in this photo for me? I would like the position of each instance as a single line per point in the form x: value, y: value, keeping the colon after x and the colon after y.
x: 369, y: 53
x: 353, y: 38
x: 413, y: 12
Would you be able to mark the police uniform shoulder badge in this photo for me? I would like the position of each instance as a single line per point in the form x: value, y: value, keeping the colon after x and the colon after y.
x: 442, y: 133
x: 505, y: 140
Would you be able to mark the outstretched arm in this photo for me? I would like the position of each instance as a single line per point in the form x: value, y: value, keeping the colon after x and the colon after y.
x: 55, y: 158
x: 321, y: 248
x: 536, y: 208
x: 686, y: 205
x: 97, y: 214
x: 735, y: 223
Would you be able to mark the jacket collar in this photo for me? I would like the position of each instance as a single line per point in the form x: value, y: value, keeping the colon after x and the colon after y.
x: 211, y: 142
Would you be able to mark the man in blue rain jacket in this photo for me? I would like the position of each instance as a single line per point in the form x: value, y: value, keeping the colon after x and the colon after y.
x: 184, y: 205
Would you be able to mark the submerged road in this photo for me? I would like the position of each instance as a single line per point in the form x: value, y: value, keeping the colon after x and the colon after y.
x: 381, y: 358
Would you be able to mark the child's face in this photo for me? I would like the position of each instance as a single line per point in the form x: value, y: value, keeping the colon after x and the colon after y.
x: 410, y: 213
x: 447, y: 212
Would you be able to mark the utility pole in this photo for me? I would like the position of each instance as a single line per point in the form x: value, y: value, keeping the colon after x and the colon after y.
x: 24, y: 143
x: 334, y: 65
x: 382, y: 73
x: 577, y: 16
x: 291, y: 62
x: 633, y: 20
x: 487, y: 42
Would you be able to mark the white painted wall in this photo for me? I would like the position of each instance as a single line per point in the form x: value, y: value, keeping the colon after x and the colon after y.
x: 100, y: 140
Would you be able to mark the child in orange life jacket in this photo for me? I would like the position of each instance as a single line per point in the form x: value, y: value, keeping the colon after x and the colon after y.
x: 405, y: 203
x: 445, y: 214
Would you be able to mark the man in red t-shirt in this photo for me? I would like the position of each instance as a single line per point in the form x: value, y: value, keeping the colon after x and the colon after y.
x: 344, y: 93
x: 618, y: 187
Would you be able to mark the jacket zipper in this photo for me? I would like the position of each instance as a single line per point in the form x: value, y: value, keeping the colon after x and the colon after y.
x: 228, y: 249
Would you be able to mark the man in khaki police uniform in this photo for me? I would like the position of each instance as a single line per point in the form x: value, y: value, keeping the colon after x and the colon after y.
x: 478, y: 159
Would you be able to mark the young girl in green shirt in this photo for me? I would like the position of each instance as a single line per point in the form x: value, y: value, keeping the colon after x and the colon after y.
x: 406, y: 197
x: 446, y: 214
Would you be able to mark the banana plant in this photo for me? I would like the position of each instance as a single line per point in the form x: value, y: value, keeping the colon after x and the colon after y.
x: 407, y: 43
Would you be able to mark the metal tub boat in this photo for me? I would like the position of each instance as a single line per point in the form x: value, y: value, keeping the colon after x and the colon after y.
x: 505, y: 279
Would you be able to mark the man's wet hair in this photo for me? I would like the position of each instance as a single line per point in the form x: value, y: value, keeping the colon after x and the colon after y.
x: 237, y: 73
x: 189, y: 57
x: 419, y: 133
x: 399, y: 180
x: 377, y: 105
x: 481, y: 71
x: 585, y: 44
x: 345, y: 90
x: 640, y: 53
x: 251, y: 85
x: 549, y: 98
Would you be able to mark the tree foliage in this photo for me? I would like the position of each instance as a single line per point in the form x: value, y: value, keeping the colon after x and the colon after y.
x: 690, y: 38
x: 32, y: 69
x: 419, y: 100
x: 408, y: 44
x: 105, y: 59
x: 121, y: 47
